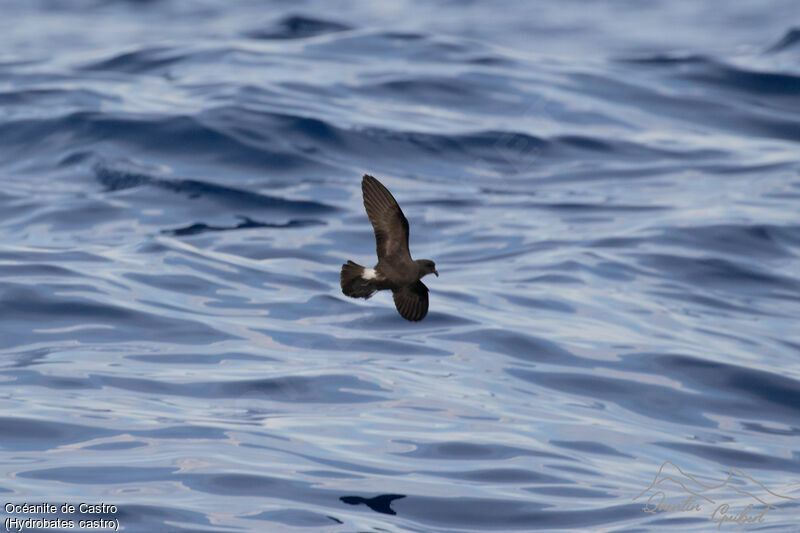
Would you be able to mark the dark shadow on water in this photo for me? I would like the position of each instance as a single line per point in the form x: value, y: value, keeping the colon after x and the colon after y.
x: 379, y: 504
x: 297, y: 27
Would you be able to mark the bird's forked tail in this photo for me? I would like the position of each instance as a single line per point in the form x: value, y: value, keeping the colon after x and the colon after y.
x: 354, y: 284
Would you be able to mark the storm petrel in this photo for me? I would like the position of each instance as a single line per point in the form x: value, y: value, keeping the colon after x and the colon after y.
x: 395, y: 271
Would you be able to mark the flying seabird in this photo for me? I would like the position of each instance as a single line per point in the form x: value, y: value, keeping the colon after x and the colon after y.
x: 395, y: 271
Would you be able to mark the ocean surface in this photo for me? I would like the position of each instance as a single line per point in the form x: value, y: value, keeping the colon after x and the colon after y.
x: 611, y: 193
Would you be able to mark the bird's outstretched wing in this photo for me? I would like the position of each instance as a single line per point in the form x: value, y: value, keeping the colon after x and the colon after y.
x: 388, y: 221
x: 412, y: 301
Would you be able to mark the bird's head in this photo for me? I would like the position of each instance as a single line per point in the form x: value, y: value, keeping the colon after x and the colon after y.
x: 426, y: 266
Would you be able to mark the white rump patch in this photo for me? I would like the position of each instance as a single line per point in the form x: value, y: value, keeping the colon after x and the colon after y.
x: 369, y: 273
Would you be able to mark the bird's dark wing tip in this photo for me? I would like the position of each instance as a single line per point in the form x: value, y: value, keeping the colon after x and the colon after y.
x: 371, y: 187
x: 412, y: 301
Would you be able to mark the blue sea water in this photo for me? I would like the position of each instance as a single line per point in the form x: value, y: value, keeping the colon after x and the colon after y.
x: 611, y: 192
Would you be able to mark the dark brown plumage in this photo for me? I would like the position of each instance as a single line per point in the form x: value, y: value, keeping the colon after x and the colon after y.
x: 396, y: 270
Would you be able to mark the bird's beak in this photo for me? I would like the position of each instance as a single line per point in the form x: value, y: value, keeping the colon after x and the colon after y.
x: 437, y: 274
